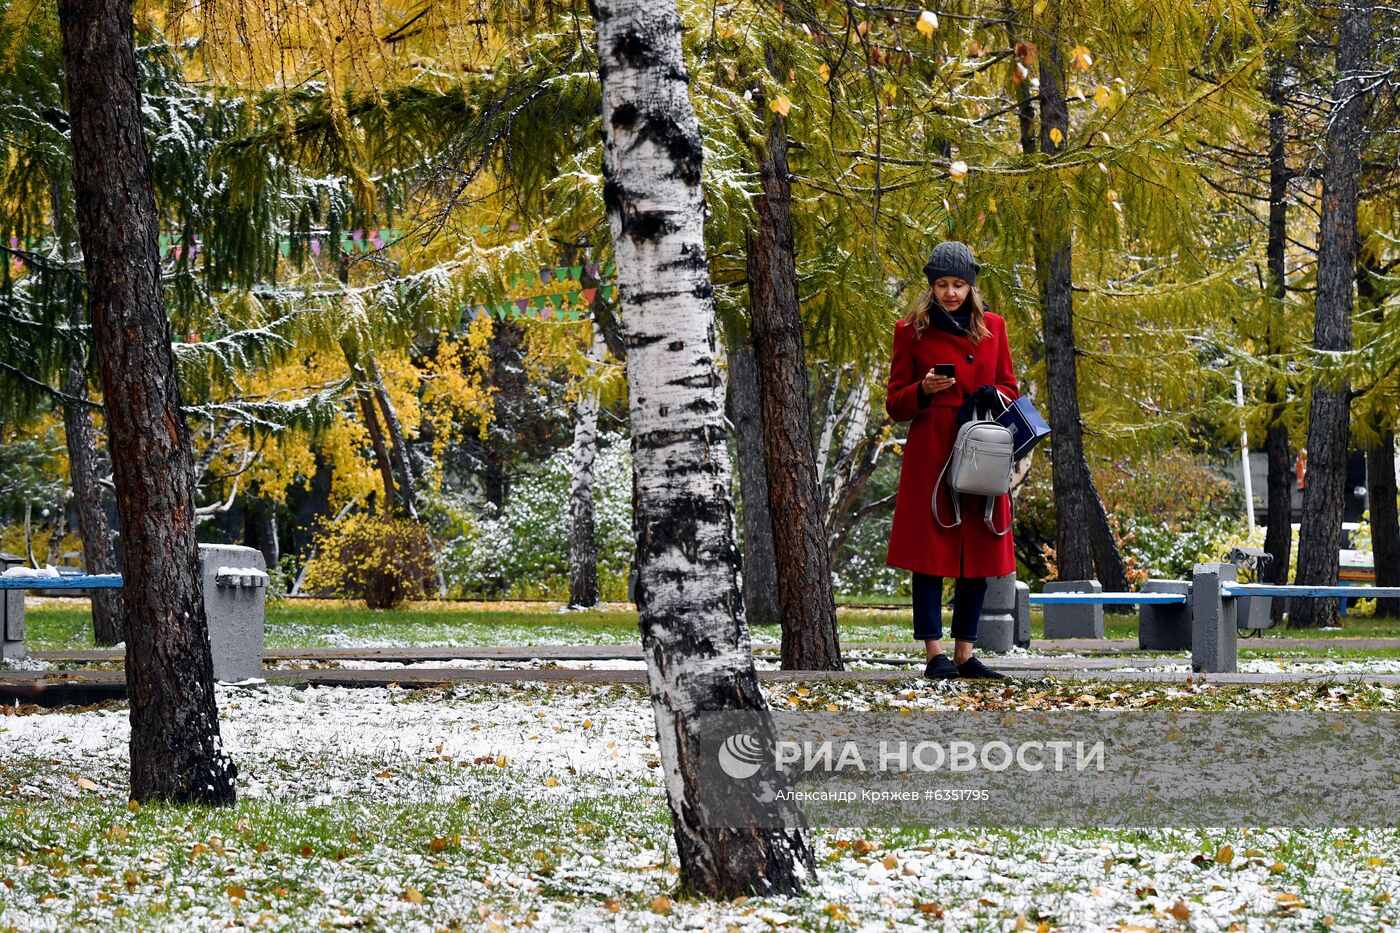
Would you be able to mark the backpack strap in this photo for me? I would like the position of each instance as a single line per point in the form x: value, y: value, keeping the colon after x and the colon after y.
x: 987, y: 515
x: 957, y: 510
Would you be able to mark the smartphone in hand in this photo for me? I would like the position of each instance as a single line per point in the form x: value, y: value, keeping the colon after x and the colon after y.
x: 945, y: 369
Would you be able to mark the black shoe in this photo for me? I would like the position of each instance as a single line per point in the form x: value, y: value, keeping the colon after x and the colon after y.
x: 940, y: 667
x: 974, y: 669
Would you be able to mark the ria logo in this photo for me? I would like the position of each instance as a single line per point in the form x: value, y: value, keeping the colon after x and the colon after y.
x: 741, y: 756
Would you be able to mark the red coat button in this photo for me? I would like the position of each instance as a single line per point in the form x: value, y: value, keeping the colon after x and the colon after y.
x: 969, y: 357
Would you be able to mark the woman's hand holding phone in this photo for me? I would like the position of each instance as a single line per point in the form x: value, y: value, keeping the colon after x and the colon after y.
x: 939, y: 378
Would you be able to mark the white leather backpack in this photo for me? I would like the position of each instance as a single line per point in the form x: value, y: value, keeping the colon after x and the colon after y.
x: 980, y: 464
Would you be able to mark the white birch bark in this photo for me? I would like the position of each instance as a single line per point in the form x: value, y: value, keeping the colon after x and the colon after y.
x: 583, y: 550
x: 693, y: 632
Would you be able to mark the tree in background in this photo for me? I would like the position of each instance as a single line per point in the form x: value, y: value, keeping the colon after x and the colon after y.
x: 1329, y: 418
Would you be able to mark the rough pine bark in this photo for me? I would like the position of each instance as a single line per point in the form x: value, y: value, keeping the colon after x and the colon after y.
x: 806, y: 603
x: 1083, y: 536
x: 98, y: 554
x: 583, y: 542
x: 398, y: 445
x: 699, y: 657
x: 1278, y: 536
x: 176, y: 751
x: 1320, y: 533
x: 1380, y: 457
x: 1385, y: 522
x: 746, y: 413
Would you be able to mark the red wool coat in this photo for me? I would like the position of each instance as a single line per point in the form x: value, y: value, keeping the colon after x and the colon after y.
x: 917, y: 542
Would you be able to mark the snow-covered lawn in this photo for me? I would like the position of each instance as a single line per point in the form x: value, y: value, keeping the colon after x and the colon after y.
x: 504, y: 807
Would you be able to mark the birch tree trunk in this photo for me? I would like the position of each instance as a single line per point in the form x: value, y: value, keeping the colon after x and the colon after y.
x: 176, y: 751
x: 1320, y: 534
x: 697, y: 646
x: 583, y: 543
x: 1083, y: 536
x: 806, y: 603
x: 98, y: 553
x: 745, y: 411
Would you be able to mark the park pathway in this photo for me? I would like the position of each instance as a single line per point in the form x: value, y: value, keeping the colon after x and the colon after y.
x: 423, y: 667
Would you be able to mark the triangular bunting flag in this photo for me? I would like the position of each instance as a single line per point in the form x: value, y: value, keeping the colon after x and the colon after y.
x: 576, y: 273
x: 588, y: 294
x: 544, y: 276
x: 608, y: 269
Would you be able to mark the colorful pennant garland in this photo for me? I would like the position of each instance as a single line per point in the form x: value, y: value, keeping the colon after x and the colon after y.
x: 558, y: 307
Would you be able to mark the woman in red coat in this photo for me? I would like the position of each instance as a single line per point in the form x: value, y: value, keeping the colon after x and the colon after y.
x: 948, y: 325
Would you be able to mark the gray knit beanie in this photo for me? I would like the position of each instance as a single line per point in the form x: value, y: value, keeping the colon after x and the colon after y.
x: 952, y: 258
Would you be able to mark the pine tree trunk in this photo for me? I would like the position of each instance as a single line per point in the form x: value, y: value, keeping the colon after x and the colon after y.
x: 398, y: 445
x: 1320, y: 534
x: 176, y: 751
x: 583, y: 543
x: 745, y: 411
x: 1385, y: 522
x: 1278, y: 537
x: 507, y: 401
x: 98, y: 554
x: 693, y: 633
x: 1083, y: 536
x: 806, y: 603
x: 1380, y: 457
x: 369, y: 411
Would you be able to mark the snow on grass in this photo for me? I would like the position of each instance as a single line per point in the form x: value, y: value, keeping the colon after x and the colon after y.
x: 504, y: 806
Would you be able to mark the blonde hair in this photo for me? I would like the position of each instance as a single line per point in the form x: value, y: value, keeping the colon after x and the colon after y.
x: 976, y: 325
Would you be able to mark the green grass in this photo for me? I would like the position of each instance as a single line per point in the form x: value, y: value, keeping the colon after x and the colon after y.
x: 55, y: 626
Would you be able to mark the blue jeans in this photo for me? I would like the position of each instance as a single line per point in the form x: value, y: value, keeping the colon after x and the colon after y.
x: 968, y: 594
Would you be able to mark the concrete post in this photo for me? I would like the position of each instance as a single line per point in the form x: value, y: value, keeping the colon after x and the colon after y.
x: 1023, y: 614
x: 996, y: 629
x: 1070, y: 620
x: 235, y: 597
x: 11, y: 613
x: 1165, y: 627
x: 1214, y: 641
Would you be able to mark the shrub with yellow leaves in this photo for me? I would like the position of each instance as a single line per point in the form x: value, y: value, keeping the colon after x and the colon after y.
x: 382, y: 559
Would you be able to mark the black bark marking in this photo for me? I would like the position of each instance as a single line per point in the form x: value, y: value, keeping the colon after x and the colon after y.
x: 634, y: 49
x: 625, y: 115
